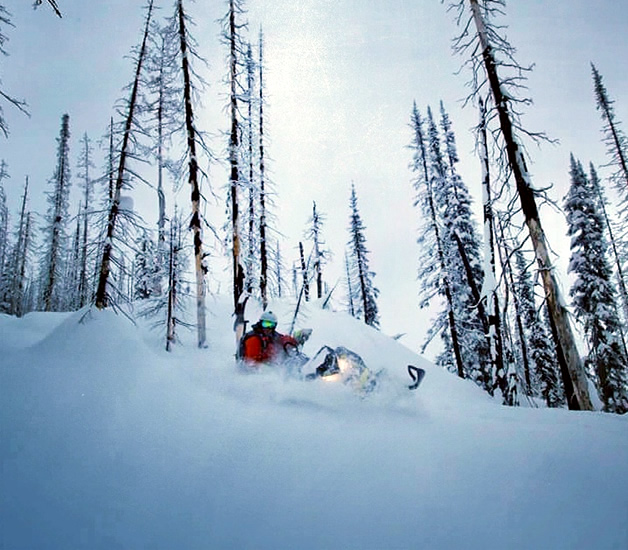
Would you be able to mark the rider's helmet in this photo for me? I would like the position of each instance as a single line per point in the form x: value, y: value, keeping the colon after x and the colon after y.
x: 268, y: 320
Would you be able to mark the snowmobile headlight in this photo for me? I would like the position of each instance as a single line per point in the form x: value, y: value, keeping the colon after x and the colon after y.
x: 344, y: 364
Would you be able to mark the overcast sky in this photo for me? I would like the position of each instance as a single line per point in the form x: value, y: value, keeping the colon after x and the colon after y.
x: 341, y: 79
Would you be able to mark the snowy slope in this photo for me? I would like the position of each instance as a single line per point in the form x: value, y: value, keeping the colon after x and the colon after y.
x: 108, y: 442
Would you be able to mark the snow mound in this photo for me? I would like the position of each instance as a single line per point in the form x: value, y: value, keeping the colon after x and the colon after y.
x: 110, y: 442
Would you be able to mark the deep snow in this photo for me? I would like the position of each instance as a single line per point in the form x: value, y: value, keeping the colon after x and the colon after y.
x: 109, y: 442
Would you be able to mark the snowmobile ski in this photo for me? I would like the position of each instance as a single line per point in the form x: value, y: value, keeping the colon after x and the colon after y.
x: 417, y: 374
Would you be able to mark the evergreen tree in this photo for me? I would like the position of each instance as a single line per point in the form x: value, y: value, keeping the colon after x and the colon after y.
x: 146, y: 269
x: 462, y: 250
x: 53, y: 268
x: 71, y: 278
x: 350, y: 288
x: 176, y: 267
x: 619, y: 269
x: 544, y: 372
x: 593, y: 292
x: 359, y: 265
x: 14, y: 275
x: 433, y: 275
x: 84, y: 270
x: 165, y: 309
x: 614, y: 138
x: 4, y: 216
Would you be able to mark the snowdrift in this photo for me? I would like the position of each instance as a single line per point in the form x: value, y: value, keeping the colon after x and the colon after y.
x: 109, y: 442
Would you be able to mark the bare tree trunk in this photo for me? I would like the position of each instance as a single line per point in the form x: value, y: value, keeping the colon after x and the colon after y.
x: 21, y: 247
x: 83, y: 280
x: 250, y: 256
x: 102, y: 297
x: 111, y: 167
x: 172, y: 284
x: 306, y: 285
x: 577, y: 385
x: 494, y: 333
x: 349, y: 287
x: 263, y: 280
x: 195, y: 223
x: 161, y: 221
x: 507, y: 269
x: 234, y: 141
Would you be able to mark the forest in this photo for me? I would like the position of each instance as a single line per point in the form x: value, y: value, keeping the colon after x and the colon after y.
x: 501, y: 317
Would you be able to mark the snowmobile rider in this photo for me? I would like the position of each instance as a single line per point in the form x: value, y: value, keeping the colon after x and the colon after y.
x: 264, y: 344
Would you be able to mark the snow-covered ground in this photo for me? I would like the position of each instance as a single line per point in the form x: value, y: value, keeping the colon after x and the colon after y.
x: 109, y: 442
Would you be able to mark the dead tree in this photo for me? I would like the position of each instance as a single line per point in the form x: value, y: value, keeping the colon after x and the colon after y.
x: 263, y: 280
x: 102, y: 297
x: 572, y: 368
x: 193, y: 178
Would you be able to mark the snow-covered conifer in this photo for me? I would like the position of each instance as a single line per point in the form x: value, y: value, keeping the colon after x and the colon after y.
x: 615, y: 245
x: 463, y: 259
x: 615, y: 139
x: 433, y: 277
x: 4, y: 216
x: 593, y: 292
x: 542, y: 356
x: 85, y: 269
x: 146, y: 269
x: 360, y: 271
x: 55, y: 225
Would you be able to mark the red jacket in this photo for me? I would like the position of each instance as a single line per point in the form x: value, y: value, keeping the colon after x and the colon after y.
x: 261, y: 347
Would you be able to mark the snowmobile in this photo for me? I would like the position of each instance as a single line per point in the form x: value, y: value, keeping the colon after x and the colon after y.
x: 338, y: 365
x: 343, y: 365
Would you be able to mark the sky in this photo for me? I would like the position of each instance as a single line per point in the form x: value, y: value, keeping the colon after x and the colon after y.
x: 341, y: 79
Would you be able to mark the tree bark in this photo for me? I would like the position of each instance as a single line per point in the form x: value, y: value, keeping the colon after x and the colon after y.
x: 573, y: 369
x: 195, y: 223
x: 234, y: 141
x: 102, y: 297
x: 263, y: 280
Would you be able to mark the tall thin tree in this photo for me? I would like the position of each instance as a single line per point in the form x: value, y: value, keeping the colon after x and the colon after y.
x: 433, y: 273
x: 263, y: 222
x: 360, y: 264
x: 613, y: 136
x: 200, y: 268
x: 102, y: 297
x: 56, y: 222
x: 572, y: 367
x: 593, y: 292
